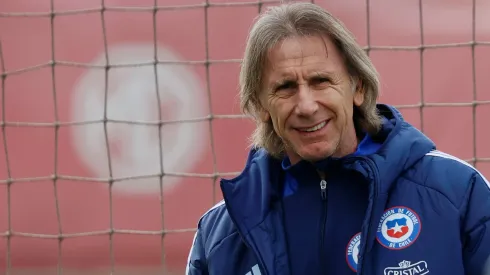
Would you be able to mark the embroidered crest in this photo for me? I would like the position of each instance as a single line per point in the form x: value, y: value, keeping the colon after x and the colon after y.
x: 352, y: 251
x: 398, y: 228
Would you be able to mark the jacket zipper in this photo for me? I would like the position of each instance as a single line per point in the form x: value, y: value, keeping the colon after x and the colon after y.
x: 323, y: 193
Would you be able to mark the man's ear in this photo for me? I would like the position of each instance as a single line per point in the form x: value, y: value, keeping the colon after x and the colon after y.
x: 264, y: 115
x: 359, y: 93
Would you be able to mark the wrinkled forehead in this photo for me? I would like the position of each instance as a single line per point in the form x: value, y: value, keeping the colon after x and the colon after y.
x: 308, y: 52
x: 298, y: 46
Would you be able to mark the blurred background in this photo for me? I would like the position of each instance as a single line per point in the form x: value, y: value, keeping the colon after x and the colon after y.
x: 118, y: 117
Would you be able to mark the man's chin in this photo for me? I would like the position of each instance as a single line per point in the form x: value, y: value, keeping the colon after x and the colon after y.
x: 315, y: 158
x: 311, y: 152
x: 315, y: 155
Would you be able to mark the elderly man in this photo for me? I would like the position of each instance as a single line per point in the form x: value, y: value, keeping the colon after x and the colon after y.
x: 336, y: 183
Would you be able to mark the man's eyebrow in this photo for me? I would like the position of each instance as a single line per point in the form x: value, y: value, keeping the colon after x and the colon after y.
x: 333, y: 76
x: 322, y: 73
x: 283, y: 80
x: 280, y: 82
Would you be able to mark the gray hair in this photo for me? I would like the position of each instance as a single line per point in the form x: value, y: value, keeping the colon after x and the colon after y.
x: 302, y: 19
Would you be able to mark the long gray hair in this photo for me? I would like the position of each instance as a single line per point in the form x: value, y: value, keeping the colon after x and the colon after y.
x: 297, y: 20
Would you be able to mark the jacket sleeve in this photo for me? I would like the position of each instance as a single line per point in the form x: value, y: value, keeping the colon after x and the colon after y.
x: 196, y: 261
x: 476, y: 226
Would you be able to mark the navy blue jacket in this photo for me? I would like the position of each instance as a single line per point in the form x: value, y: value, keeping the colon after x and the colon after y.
x: 428, y: 213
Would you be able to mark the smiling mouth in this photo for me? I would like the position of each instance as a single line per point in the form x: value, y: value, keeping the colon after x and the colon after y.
x: 315, y: 128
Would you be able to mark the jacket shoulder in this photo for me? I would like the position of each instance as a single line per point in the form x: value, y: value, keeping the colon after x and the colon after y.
x: 446, y: 174
x: 215, y: 225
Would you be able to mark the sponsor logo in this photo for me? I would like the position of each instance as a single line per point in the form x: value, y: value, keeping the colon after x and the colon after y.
x: 255, y: 271
x: 407, y: 268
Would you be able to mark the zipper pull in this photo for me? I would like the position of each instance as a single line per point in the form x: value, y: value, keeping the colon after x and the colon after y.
x: 323, y: 189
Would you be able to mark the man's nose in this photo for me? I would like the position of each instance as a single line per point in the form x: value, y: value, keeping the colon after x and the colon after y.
x: 306, y: 104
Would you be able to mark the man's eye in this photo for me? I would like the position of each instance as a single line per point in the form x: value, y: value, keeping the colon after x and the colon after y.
x: 319, y: 80
x: 285, y: 86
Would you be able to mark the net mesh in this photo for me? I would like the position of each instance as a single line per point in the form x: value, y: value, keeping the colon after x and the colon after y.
x: 70, y: 119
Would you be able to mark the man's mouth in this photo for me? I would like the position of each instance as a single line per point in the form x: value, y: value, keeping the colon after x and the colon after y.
x: 314, y: 128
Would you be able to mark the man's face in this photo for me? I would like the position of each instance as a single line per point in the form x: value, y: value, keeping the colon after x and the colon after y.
x: 308, y: 95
